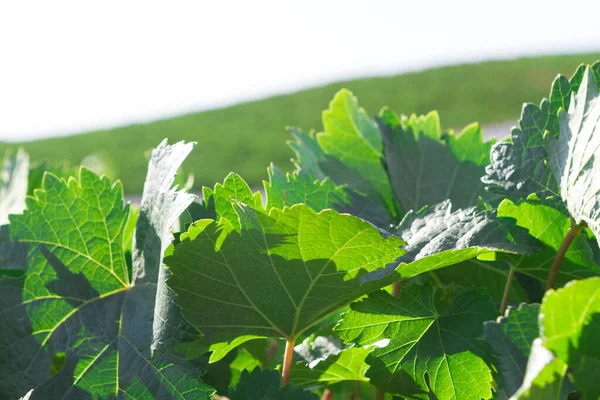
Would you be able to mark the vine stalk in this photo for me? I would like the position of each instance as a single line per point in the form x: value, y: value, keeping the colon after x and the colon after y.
x: 562, y: 250
x: 509, y: 279
x: 287, y: 361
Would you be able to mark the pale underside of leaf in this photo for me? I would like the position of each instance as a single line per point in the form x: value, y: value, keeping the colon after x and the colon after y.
x: 574, y: 155
x: 14, y: 185
x: 518, y: 166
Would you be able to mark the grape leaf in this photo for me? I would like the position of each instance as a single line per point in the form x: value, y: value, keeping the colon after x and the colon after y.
x: 426, y: 168
x: 437, y: 237
x: 435, y: 229
x: 283, y: 272
x: 352, y: 136
x: 518, y: 167
x: 544, y: 376
x: 309, y: 154
x: 265, y: 385
x: 40, y: 167
x: 489, y: 273
x: 301, y: 187
x: 320, y: 195
x: 510, y: 338
x: 574, y: 154
x: 348, y: 153
x: 233, y: 187
x: 244, y: 360
x: 14, y: 184
x: 443, y: 346
x: 159, y: 209
x: 573, y: 336
x: 545, y: 222
x: 339, y: 366
x: 80, y: 301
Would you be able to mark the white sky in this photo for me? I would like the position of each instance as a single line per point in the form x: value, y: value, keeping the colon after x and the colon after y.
x: 73, y: 66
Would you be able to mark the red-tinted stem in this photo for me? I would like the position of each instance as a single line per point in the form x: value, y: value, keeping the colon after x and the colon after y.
x: 271, y: 352
x: 327, y: 395
x: 358, y: 390
x: 396, y: 289
x: 562, y: 250
x: 287, y: 361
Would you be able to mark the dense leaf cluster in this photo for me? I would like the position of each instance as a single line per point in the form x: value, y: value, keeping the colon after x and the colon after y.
x: 399, y: 260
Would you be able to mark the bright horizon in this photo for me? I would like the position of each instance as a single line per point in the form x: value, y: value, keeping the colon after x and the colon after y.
x: 70, y: 67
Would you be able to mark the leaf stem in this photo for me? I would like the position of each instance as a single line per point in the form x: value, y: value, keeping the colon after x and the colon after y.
x: 271, y: 352
x: 509, y: 279
x: 562, y: 250
x: 287, y: 361
x: 380, y: 395
x: 327, y: 395
x: 396, y: 289
x: 358, y: 390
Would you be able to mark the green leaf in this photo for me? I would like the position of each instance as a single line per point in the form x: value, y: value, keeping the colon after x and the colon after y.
x: 15, y: 339
x: 352, y: 136
x: 40, y: 167
x: 549, y: 225
x: 233, y: 187
x: 437, y: 237
x: 334, y: 366
x: 308, y: 152
x: 518, y: 167
x: 574, y: 154
x: 365, y: 201
x: 79, y: 299
x: 348, y: 152
x: 282, y: 273
x: 265, y: 385
x: 426, y: 168
x: 544, y: 377
x: 510, y: 338
x: 436, y: 229
x: 491, y: 274
x: 301, y: 187
x: 243, y: 361
x: 573, y: 336
x: 14, y: 184
x: 428, y: 350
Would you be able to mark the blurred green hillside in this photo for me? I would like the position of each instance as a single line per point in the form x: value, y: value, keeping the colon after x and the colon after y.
x: 244, y: 138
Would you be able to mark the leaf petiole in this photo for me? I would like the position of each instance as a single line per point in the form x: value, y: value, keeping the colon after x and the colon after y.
x: 287, y: 361
x: 560, y: 255
x: 509, y: 279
